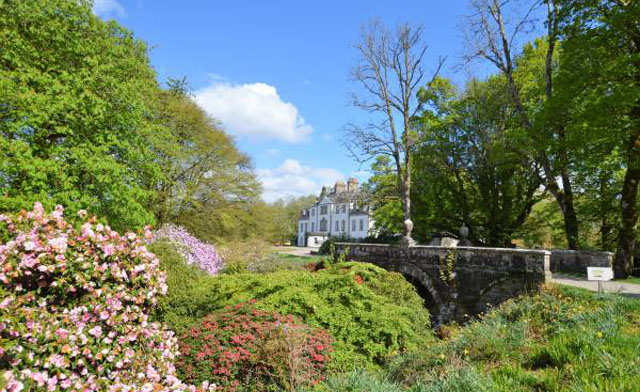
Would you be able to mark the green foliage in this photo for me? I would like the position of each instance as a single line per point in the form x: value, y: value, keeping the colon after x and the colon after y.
x: 244, y: 256
x: 207, y: 184
x: 385, y: 202
x: 358, y: 381
x: 466, y: 169
x: 372, y: 314
x: 561, y: 339
x: 281, y: 224
x: 456, y: 380
x: 327, y: 247
x: 84, y: 124
x: 74, y: 126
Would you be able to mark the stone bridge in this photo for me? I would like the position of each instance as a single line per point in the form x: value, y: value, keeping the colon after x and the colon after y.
x: 458, y: 282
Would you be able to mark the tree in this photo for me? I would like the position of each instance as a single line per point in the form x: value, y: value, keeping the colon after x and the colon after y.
x: 283, y: 218
x: 208, y: 185
x: 386, y: 203
x: 390, y: 71
x: 465, y: 168
x: 74, y: 113
x: 600, y: 73
x: 493, y: 34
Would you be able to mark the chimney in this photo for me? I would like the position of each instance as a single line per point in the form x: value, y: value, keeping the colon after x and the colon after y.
x: 352, y: 184
x: 340, y: 186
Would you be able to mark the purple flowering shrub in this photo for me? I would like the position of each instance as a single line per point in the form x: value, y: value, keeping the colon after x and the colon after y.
x: 74, y: 309
x: 194, y: 251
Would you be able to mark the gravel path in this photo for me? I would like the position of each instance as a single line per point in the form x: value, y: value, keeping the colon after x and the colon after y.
x: 630, y: 289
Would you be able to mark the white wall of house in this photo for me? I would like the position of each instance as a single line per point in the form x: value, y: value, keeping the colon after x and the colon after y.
x: 339, y: 220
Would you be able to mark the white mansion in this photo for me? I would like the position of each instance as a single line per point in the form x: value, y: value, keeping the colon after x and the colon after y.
x: 339, y: 212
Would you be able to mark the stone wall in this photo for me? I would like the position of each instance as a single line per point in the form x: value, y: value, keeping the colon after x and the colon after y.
x: 458, y: 282
x: 579, y: 260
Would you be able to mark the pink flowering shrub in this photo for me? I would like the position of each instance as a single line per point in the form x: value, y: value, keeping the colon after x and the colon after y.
x: 74, y: 308
x: 194, y: 251
x: 243, y: 348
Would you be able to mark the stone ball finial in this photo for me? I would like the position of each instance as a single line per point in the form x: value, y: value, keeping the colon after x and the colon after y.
x: 464, y: 231
x: 408, y: 226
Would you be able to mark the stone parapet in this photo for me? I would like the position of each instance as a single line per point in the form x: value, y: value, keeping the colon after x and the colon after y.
x: 563, y: 260
x: 458, y: 282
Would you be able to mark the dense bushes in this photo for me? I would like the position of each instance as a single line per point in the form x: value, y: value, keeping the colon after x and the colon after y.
x: 74, y: 308
x: 372, y: 314
x: 242, y: 348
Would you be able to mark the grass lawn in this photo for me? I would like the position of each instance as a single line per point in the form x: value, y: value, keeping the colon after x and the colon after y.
x: 629, y: 279
x: 298, y: 259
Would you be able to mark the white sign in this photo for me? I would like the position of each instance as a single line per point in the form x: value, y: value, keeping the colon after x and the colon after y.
x: 599, y: 273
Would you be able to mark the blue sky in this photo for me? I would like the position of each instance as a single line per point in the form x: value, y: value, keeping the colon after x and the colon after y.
x: 276, y: 73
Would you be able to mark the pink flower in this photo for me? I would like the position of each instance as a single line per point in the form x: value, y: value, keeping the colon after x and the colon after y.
x: 59, y: 245
x: 62, y: 333
x: 58, y: 212
x: 95, y: 331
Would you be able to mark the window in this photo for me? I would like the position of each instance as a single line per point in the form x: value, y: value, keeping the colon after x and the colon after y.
x: 343, y: 225
x: 353, y: 225
x: 313, y: 226
x: 337, y: 226
x: 323, y: 225
x: 313, y: 212
x: 323, y: 210
x: 301, y: 226
x: 344, y: 208
x: 305, y: 226
x: 361, y: 224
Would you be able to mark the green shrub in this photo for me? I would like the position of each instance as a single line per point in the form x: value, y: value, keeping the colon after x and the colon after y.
x: 359, y: 381
x: 561, y: 339
x: 184, y: 282
x: 457, y: 380
x: 371, y: 313
x: 327, y: 246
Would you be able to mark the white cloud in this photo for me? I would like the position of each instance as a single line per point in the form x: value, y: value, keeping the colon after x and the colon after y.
x: 254, y: 111
x: 292, y: 179
x: 106, y: 8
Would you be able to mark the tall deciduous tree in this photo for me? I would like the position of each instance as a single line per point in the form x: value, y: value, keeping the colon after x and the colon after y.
x: 493, y: 34
x: 389, y: 71
x: 465, y: 168
x: 74, y: 126
x: 208, y: 185
x: 600, y: 72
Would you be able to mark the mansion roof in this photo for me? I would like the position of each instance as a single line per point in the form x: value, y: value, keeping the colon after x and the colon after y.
x: 342, y: 193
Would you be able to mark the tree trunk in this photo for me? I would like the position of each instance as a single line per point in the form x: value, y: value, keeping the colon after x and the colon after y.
x: 406, y: 198
x: 629, y: 210
x: 569, y: 213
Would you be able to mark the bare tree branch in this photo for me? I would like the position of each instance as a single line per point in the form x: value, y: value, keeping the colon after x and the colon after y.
x: 389, y: 73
